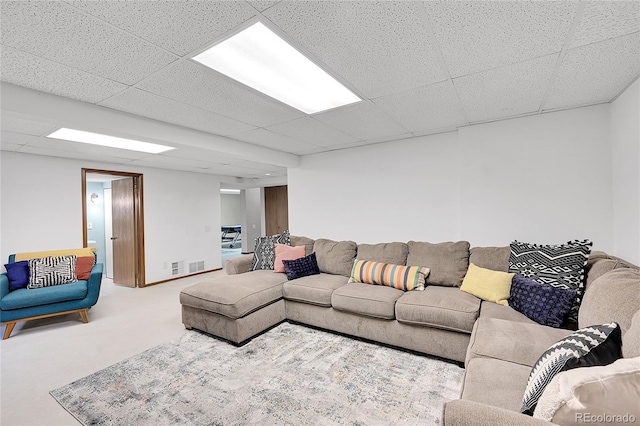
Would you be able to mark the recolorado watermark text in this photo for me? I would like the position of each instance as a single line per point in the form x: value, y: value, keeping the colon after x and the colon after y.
x: 605, y: 418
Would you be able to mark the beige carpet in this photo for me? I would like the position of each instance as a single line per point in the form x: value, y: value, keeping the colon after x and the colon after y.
x: 290, y: 375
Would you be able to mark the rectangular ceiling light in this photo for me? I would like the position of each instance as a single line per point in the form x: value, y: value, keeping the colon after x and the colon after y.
x: 262, y: 60
x: 105, y: 140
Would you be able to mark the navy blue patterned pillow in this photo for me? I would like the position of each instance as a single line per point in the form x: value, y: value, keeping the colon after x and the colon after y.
x: 544, y: 304
x: 302, y: 267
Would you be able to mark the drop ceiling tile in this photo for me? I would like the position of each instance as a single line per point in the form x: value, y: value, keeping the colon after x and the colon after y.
x: 178, y: 26
x: 378, y: 47
x: 428, y: 107
x: 83, y: 148
x: 40, y: 74
x: 480, y: 35
x: 506, y: 91
x: 602, y: 20
x: 363, y: 120
x: 262, y: 5
x: 26, y: 127
x: 16, y: 138
x: 596, y: 73
x: 58, y: 32
x: 312, y: 131
x: 147, y: 104
x: 199, y: 86
x: 273, y: 140
x: 36, y: 150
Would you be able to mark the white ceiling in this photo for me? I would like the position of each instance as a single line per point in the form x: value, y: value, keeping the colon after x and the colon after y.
x: 420, y: 67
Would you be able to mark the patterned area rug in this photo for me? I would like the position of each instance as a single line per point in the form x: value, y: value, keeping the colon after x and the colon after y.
x: 290, y: 375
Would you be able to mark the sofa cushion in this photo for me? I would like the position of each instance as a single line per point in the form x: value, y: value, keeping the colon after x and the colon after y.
x: 405, y: 278
x: 492, y: 286
x: 297, y: 241
x: 335, y: 257
x: 600, y: 267
x: 395, y: 253
x: 588, y: 347
x: 448, y: 261
x: 544, y: 304
x: 495, y: 382
x: 440, y: 307
x: 493, y: 310
x: 314, y: 289
x: 608, y: 390
x: 494, y: 258
x: 366, y: 299
x: 235, y: 296
x: 615, y: 296
x: 511, y: 341
x: 264, y: 254
x: 24, y: 297
x: 631, y: 339
x: 561, y: 265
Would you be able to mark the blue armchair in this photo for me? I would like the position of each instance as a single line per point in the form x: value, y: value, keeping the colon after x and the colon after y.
x: 29, y: 304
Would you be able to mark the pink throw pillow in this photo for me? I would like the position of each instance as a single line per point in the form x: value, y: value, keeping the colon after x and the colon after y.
x: 284, y: 252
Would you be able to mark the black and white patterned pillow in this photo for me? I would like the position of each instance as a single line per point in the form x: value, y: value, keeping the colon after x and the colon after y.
x: 588, y: 347
x: 264, y: 255
x: 52, y: 270
x: 559, y: 266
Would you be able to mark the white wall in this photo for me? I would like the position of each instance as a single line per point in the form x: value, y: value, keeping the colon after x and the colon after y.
x: 230, y: 209
x: 251, y: 200
x: 544, y: 179
x: 625, y: 140
x: 42, y: 209
x: 386, y: 192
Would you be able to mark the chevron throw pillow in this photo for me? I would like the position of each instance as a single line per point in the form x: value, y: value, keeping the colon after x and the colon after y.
x: 264, y: 255
x: 52, y: 270
x: 587, y: 347
x: 560, y: 266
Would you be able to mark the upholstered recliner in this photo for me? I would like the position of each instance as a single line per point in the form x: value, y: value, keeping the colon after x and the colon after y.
x: 27, y: 304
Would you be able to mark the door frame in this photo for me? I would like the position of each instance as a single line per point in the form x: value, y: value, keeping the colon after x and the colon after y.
x: 138, y: 210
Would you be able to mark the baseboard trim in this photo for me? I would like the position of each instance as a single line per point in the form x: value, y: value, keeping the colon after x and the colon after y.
x: 182, y: 276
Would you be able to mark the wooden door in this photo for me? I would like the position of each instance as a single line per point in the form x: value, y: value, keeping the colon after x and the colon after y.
x: 276, y: 209
x: 124, y: 232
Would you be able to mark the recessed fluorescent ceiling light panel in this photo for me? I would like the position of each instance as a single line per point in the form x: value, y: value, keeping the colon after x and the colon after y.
x: 262, y: 60
x: 110, y: 141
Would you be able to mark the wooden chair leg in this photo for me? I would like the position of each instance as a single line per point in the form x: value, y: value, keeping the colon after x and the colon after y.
x: 83, y: 315
x: 8, y: 330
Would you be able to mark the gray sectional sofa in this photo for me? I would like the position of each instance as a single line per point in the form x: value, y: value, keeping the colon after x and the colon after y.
x: 497, y: 344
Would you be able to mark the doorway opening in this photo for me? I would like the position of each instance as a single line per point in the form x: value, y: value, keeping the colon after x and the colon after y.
x: 113, y: 221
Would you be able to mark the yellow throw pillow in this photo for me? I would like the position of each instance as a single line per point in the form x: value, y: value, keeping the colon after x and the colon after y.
x: 492, y: 286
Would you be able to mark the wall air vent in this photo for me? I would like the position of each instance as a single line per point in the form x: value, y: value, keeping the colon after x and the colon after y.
x: 177, y: 268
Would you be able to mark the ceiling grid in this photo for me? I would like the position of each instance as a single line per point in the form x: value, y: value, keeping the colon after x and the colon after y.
x: 421, y: 68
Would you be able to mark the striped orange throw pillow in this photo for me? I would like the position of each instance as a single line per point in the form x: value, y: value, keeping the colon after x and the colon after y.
x: 397, y: 276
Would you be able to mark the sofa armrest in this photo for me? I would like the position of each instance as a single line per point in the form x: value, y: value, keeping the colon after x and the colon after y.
x: 93, y: 285
x: 468, y: 413
x: 239, y: 265
x: 4, y: 285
